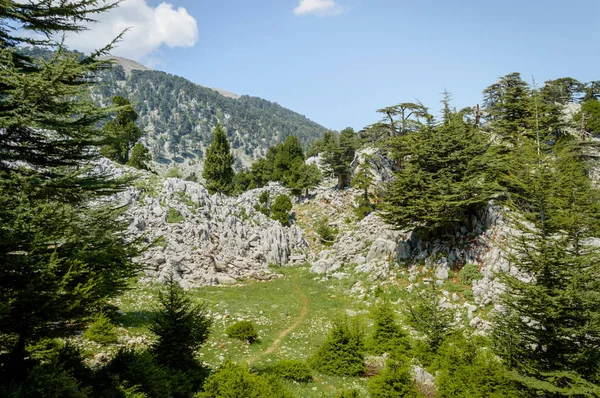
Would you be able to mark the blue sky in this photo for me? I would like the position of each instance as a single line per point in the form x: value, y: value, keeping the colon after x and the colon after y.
x: 338, y: 69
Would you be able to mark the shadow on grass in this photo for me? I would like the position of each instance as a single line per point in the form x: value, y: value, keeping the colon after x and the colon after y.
x: 135, y: 319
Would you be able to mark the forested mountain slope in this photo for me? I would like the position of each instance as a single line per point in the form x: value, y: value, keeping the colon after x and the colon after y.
x: 178, y: 116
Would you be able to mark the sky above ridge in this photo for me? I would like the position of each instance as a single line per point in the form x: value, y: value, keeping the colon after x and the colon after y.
x: 338, y: 61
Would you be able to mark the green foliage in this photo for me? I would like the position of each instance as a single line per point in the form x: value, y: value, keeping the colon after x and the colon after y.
x: 347, y: 394
x: 140, y: 156
x: 135, y: 368
x: 395, y: 381
x: 174, y: 216
x: 102, y: 331
x: 173, y: 172
x: 303, y: 177
x: 469, y: 273
x: 444, y: 177
x: 338, y: 154
x: 548, y: 327
x: 235, y: 381
x: 315, y: 148
x: 342, y: 353
x: 387, y: 335
x: 180, y: 326
x: 122, y: 133
x: 263, y: 203
x: 218, y: 162
x: 280, y: 210
x: 293, y: 370
x: 363, y: 180
x: 465, y: 367
x: 63, y: 252
x: 243, y: 330
x: 184, y: 114
x: 425, y: 314
x: 591, y: 110
x: 325, y: 231
x: 193, y: 177
x: 50, y: 379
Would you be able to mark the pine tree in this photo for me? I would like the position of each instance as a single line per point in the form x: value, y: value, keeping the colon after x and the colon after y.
x: 387, y: 335
x: 548, y: 329
x: 303, y: 177
x: 443, y: 178
x: 63, y: 252
x: 121, y: 133
x: 140, y: 156
x: 338, y: 154
x: 342, y: 354
x: 180, y: 325
x: 218, y: 170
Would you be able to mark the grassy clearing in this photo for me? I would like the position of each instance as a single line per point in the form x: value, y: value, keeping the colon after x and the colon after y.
x: 275, y: 307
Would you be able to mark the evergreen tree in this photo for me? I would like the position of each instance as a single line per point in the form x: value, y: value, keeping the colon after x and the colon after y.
x: 342, y: 354
x: 363, y: 180
x: 121, y: 133
x: 287, y: 156
x: 588, y: 118
x: 218, y: 170
x: 387, y: 335
x: 303, y: 177
x: 180, y: 325
x: 63, y: 252
x: 395, y: 381
x: 140, y: 156
x: 280, y: 211
x: 548, y: 330
x: 443, y: 179
x: 338, y: 154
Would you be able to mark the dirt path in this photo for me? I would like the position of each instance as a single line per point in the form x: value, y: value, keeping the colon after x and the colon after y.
x: 287, y: 331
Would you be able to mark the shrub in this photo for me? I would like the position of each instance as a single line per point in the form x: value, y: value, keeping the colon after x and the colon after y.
x: 387, y: 335
x: 469, y: 273
x: 173, y: 173
x: 174, y: 216
x: 243, y: 330
x: 280, y: 211
x: 102, y: 331
x: 342, y: 354
x: 263, y: 204
x: 50, y: 379
x: 395, y: 381
x: 294, y: 370
x: 465, y: 367
x: 235, y: 381
x: 347, y: 394
x: 325, y: 231
x: 133, y: 368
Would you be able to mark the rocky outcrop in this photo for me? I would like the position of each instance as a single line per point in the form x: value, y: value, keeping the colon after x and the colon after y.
x: 203, y: 238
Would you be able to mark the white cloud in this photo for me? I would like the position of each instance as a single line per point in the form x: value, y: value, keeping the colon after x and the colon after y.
x: 149, y: 29
x: 321, y: 8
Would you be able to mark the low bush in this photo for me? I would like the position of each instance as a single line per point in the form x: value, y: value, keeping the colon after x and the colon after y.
x: 395, y: 381
x: 280, y: 211
x: 293, y: 370
x: 102, y: 331
x: 469, y: 273
x: 243, y: 330
x: 236, y: 381
x: 325, y: 231
x: 174, y: 216
x: 347, y: 394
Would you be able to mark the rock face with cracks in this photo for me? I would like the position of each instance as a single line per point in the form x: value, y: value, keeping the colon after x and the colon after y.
x: 207, y: 239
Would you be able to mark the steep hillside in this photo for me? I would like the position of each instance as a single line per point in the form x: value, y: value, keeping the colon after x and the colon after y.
x: 178, y: 115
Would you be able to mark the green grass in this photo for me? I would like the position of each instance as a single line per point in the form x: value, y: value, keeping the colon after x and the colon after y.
x: 274, y: 306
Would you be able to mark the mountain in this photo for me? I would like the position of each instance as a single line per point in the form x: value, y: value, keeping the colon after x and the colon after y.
x: 178, y: 115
